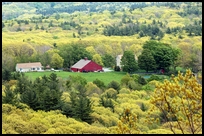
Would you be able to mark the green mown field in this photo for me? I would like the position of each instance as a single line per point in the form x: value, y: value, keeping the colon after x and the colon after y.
x: 106, y: 77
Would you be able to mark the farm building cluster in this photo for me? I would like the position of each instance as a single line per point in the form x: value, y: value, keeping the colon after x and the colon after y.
x: 83, y: 65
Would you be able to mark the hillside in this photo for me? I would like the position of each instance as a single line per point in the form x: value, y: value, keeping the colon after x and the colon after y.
x: 101, y: 28
x: 153, y: 37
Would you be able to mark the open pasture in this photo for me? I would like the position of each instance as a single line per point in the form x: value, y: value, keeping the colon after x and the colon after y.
x: 106, y: 77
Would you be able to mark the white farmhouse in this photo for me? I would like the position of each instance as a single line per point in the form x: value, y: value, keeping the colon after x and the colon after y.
x: 25, y: 67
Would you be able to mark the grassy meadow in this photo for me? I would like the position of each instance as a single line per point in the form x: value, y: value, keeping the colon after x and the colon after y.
x: 106, y: 77
x: 60, y: 34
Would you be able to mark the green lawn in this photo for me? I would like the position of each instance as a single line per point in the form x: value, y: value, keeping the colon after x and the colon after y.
x: 106, y: 77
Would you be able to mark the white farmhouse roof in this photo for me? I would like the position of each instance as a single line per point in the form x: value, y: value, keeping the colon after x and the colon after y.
x: 29, y: 65
x: 81, y: 63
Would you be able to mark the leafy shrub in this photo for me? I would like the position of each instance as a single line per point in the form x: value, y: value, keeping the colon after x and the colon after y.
x: 148, y: 87
x: 124, y: 91
x: 92, y: 88
x: 142, y: 80
x: 99, y: 83
x: 125, y: 79
x: 153, y: 77
x: 135, y: 77
x: 110, y: 93
x: 135, y: 86
x: 115, y: 85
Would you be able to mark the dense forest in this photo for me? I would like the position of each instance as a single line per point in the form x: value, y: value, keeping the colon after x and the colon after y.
x: 162, y: 35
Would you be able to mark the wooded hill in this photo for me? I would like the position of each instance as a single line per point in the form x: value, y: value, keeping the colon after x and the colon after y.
x: 164, y: 33
x: 100, y: 28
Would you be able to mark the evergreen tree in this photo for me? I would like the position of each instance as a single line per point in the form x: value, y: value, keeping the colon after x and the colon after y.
x: 153, y: 22
x: 42, y: 28
x: 74, y: 35
x: 26, y: 22
x: 83, y: 109
x: 18, y: 29
x: 67, y: 108
x: 115, y: 85
x: 51, y: 100
x: 47, y: 95
x: 52, y: 96
x: 10, y: 96
x: 23, y: 84
x: 168, y: 31
x: 53, y: 82
x: 107, y: 102
x: 17, y: 75
x: 40, y: 86
x: 6, y: 74
x: 80, y: 105
x: 50, y: 24
x: 141, y: 34
x: 36, y: 27
x: 128, y: 62
x: 30, y: 98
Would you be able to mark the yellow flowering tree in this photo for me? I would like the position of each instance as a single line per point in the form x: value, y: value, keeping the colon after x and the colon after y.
x: 180, y: 101
x: 128, y: 123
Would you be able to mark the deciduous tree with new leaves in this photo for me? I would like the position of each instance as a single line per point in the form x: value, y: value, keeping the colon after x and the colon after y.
x: 91, y: 50
x: 180, y: 101
x: 108, y: 60
x: 57, y: 61
x: 164, y: 54
x: 136, y: 48
x: 146, y: 60
x: 97, y: 58
x: 127, y: 123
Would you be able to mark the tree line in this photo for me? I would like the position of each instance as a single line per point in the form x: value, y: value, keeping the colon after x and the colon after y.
x: 154, y: 56
x: 135, y: 28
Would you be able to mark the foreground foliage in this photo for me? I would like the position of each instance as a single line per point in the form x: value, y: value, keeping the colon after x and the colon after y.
x: 49, y: 105
x: 180, y: 101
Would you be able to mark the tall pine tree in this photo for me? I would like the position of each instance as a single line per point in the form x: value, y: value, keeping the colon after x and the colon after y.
x: 10, y: 97
x: 30, y: 98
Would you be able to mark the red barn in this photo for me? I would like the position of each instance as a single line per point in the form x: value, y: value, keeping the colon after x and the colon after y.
x: 85, y: 65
